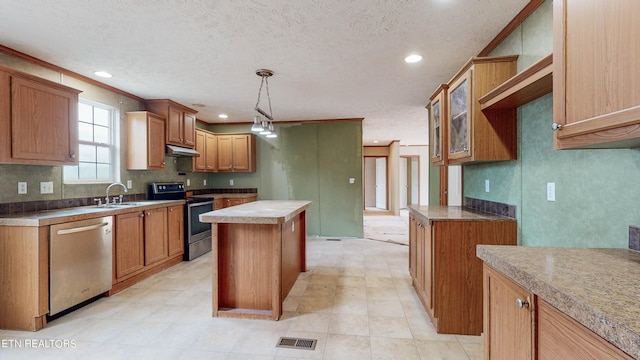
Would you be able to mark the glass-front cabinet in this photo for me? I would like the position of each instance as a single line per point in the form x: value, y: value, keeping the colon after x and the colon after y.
x: 459, y: 106
x: 438, y: 125
x: 474, y: 136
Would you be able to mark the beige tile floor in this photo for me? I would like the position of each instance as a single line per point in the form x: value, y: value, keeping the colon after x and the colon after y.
x: 356, y: 299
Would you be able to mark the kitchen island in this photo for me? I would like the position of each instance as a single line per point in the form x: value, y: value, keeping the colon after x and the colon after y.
x: 576, y: 303
x: 258, y: 251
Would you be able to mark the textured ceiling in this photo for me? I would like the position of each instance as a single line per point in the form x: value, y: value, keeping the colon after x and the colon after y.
x: 332, y: 58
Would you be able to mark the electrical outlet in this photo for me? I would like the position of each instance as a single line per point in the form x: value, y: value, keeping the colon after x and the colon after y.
x: 551, y: 191
x: 204, y: 182
x: 486, y: 185
x: 188, y: 182
x: 46, y: 187
x: 22, y: 187
x: 129, y: 184
x: 231, y: 182
x: 352, y: 180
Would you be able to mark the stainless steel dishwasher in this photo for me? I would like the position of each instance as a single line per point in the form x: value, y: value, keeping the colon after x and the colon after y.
x: 80, y: 262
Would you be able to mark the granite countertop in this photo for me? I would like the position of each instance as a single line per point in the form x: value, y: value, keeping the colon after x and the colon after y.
x: 257, y: 212
x: 599, y: 288
x: 51, y: 217
x: 453, y: 213
x: 225, y: 196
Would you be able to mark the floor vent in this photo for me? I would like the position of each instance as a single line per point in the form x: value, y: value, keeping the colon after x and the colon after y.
x: 297, y: 343
x: 334, y: 239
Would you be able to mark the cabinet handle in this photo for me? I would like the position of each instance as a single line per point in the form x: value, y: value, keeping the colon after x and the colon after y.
x: 522, y: 304
x: 171, y: 209
x: 72, y: 156
x: 556, y: 126
x: 142, y: 214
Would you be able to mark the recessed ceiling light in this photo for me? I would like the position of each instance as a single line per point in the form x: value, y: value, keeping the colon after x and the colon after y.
x: 103, y: 74
x: 413, y: 58
x: 223, y: 116
x: 375, y: 141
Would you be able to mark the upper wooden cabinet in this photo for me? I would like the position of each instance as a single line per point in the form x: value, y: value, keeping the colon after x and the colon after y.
x: 473, y: 136
x: 145, y: 141
x: 207, y: 146
x: 438, y: 130
x: 181, y: 121
x: 38, y: 120
x: 596, y: 75
x: 236, y: 152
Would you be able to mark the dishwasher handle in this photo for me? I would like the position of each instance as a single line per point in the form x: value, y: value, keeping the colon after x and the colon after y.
x: 81, y: 229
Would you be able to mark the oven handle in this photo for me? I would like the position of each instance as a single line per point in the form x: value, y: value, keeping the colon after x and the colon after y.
x: 203, y: 203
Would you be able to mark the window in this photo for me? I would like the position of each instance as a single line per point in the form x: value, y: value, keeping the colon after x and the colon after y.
x: 98, y: 150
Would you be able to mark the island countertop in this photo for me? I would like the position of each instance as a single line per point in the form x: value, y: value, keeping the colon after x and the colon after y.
x: 258, y: 212
x: 599, y: 288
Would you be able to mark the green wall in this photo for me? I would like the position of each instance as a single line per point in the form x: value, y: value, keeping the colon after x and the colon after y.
x: 309, y: 162
x: 596, y: 190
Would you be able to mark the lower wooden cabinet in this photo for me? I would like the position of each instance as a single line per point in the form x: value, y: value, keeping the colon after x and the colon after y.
x: 129, y: 244
x: 519, y: 325
x: 156, y: 242
x: 145, y: 243
x: 446, y: 273
x: 509, y: 313
x: 223, y: 201
x: 175, y: 229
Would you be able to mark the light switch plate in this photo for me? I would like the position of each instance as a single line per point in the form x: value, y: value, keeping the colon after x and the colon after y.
x: 231, y: 182
x: 22, y: 187
x: 551, y: 191
x: 129, y: 184
x: 486, y: 185
x: 204, y: 182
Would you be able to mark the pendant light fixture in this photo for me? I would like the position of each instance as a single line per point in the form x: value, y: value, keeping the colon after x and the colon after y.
x: 260, y: 125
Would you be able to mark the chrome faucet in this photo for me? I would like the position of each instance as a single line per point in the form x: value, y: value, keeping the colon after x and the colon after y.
x: 106, y: 199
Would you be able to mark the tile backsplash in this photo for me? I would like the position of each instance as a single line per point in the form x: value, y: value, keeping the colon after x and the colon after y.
x: 634, y: 238
x: 491, y: 207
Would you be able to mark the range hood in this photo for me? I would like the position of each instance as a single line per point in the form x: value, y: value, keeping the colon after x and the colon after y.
x: 181, y: 151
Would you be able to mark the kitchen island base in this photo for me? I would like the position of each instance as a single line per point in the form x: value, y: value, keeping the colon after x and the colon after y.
x: 255, y: 265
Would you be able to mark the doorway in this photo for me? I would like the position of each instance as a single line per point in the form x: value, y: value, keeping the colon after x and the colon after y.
x: 409, y: 181
x: 375, y: 184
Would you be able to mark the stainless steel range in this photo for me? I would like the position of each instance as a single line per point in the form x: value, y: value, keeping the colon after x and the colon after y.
x: 197, y: 235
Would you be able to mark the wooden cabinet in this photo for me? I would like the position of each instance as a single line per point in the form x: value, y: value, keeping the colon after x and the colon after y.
x: 38, y: 120
x: 438, y: 129
x: 447, y: 275
x: 175, y: 229
x: 156, y: 244
x: 180, y: 122
x: 520, y: 325
x: 509, y: 324
x: 596, y: 86
x: 207, y: 146
x: 473, y: 136
x: 129, y: 244
x: 236, y: 152
x: 146, y: 242
x: 561, y: 337
x: 145, y: 141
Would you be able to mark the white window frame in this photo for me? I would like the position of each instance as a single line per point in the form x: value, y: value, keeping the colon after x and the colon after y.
x: 114, y: 146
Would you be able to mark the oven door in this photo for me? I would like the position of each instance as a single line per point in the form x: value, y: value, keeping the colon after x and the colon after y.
x: 197, y: 234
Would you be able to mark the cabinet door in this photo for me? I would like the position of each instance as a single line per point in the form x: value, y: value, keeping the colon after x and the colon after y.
x: 427, y: 268
x: 44, y: 123
x: 459, y: 112
x: 188, y: 129
x: 438, y: 126
x: 156, y: 245
x: 155, y: 134
x: 211, y: 153
x: 225, y: 153
x: 420, y: 254
x: 175, y: 229
x: 508, y: 327
x: 413, y: 224
x: 596, y: 73
x: 174, y: 126
x: 218, y: 204
x: 241, y: 159
x: 129, y: 244
x: 560, y: 337
x: 199, y: 162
